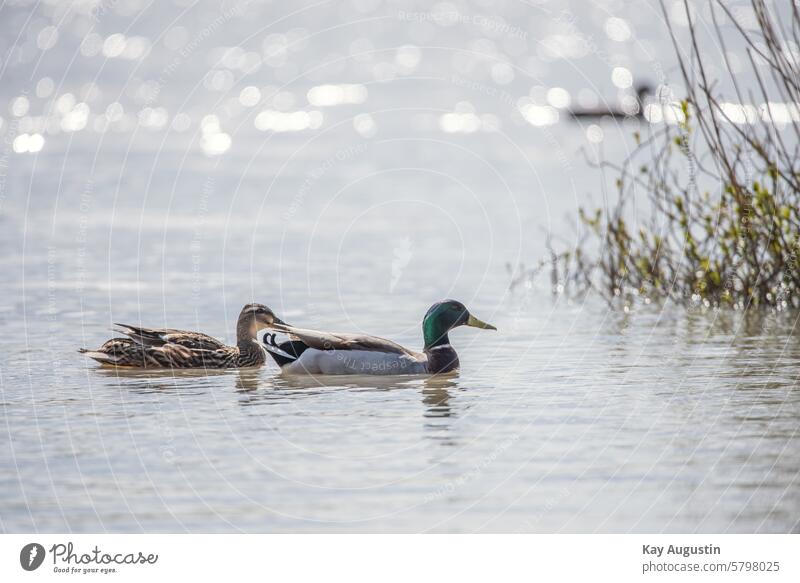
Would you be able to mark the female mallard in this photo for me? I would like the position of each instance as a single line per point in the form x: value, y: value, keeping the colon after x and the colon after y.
x: 168, y: 348
x: 314, y: 352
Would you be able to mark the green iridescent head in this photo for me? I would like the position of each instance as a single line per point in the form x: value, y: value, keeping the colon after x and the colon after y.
x: 444, y: 316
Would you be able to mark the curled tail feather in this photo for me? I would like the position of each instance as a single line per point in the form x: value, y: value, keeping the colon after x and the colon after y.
x: 284, y: 353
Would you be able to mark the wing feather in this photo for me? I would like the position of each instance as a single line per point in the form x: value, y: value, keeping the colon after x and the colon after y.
x: 337, y: 341
x: 162, y: 336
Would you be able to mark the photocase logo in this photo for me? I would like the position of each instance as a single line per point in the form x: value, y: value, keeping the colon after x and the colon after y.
x: 31, y: 556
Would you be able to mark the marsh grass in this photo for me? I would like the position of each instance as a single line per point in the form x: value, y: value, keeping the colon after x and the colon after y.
x: 724, y: 226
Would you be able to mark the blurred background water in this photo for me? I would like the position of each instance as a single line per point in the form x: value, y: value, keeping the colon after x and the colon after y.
x: 349, y: 163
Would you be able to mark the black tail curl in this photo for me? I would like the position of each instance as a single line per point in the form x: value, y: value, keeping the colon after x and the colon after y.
x: 289, y: 350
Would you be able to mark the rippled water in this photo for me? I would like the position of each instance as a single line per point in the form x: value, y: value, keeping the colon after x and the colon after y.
x: 571, y: 418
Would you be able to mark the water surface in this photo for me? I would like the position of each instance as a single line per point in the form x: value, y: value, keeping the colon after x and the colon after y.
x: 571, y: 418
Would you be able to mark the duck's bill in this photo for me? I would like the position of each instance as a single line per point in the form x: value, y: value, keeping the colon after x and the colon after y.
x: 475, y: 323
x: 279, y: 325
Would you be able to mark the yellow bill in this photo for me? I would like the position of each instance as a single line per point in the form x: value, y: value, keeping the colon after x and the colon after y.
x: 475, y: 323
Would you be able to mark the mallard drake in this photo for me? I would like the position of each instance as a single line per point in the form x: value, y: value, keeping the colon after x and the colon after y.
x: 169, y: 348
x: 315, y: 352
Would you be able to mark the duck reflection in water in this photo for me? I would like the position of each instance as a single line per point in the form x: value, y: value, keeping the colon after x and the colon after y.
x: 255, y: 389
x: 163, y: 380
x: 436, y: 397
x: 435, y: 394
x: 247, y: 380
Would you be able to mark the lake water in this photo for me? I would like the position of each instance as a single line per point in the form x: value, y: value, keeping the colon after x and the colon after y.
x: 159, y: 196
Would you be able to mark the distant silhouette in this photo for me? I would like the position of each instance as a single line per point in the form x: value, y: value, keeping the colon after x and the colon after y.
x: 642, y: 91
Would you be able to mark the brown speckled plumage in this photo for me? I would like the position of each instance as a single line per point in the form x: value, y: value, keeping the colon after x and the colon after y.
x: 170, y: 348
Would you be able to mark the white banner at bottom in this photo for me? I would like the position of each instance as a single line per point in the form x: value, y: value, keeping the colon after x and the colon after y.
x: 401, y: 558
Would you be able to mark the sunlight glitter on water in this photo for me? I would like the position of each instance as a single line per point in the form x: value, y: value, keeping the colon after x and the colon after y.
x: 188, y: 159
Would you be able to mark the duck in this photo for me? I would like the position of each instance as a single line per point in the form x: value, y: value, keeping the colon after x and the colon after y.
x: 643, y: 91
x: 159, y: 348
x: 327, y: 353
